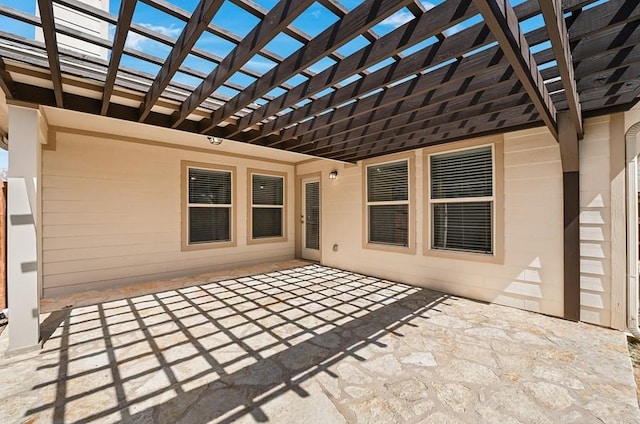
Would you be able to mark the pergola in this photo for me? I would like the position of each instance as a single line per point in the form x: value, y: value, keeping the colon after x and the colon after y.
x: 459, y: 69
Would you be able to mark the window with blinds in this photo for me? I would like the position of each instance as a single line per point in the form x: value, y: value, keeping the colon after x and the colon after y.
x: 209, y: 205
x: 267, y: 206
x: 462, y: 200
x: 388, y: 203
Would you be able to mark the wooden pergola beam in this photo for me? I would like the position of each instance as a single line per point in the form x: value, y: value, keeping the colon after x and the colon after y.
x: 381, y: 78
x: 571, y: 212
x: 501, y: 19
x: 559, y: 38
x: 413, y: 32
x: 6, y: 82
x: 356, y: 22
x: 453, y: 46
x: 51, y: 43
x: 482, y: 124
x: 122, y: 29
x: 455, y: 109
x: 274, y: 22
x: 442, y: 84
x: 202, y: 15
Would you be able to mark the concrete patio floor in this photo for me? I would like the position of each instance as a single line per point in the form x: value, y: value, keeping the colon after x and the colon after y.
x: 313, y: 344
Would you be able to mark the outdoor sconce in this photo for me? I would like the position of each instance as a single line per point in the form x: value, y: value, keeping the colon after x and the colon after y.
x: 214, y: 140
x: 333, y: 175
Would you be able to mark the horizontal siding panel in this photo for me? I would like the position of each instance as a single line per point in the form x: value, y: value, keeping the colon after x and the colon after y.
x: 147, y: 215
x: 96, y: 252
x: 108, y: 240
x: 533, y: 186
x: 105, y: 229
x: 183, y: 267
x: 162, y: 258
x: 533, y: 171
x: 142, y: 183
x: 539, y: 155
x: 123, y: 197
x: 108, y: 206
x: 69, y: 283
x: 528, y: 143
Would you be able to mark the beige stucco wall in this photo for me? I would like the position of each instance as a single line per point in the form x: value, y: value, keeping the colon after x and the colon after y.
x: 531, y: 275
x: 112, y: 214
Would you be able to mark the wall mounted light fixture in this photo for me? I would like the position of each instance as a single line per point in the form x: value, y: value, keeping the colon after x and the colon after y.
x: 214, y: 140
x: 333, y: 174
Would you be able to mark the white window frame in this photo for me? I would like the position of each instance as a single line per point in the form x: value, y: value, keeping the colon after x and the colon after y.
x: 492, y: 199
x: 186, y: 229
x: 283, y: 227
x: 409, y: 248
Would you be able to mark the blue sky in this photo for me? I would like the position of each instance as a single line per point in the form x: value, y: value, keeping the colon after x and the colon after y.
x: 239, y: 22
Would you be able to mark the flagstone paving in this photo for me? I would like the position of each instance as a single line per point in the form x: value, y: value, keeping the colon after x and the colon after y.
x: 314, y: 344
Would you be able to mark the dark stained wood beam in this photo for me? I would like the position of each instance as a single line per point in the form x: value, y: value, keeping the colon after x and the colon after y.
x: 506, y: 121
x: 501, y: 19
x: 202, y: 15
x: 442, y: 84
x: 460, y: 108
x: 559, y: 38
x: 122, y: 29
x: 260, y: 12
x: 510, y: 119
x: 183, y: 15
x: 381, y: 78
x: 481, y: 118
x: 45, y: 96
x: 51, y: 42
x: 413, y: 32
x: 454, y: 46
x: 623, y: 69
x: 86, y: 37
x: 593, y: 20
x: 283, y: 13
x: 571, y: 210
x: 145, y: 32
x: 6, y: 82
x: 456, y: 109
x: 359, y: 20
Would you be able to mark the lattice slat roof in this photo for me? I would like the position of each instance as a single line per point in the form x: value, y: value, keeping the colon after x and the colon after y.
x: 458, y: 69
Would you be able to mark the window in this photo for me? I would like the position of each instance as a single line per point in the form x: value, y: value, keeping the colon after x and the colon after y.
x: 387, y: 200
x: 208, y: 211
x: 267, y: 206
x: 462, y: 200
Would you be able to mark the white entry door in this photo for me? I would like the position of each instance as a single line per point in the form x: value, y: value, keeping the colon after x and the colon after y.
x: 310, y: 219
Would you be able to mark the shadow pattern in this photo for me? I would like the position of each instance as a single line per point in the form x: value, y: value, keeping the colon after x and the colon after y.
x: 219, y: 351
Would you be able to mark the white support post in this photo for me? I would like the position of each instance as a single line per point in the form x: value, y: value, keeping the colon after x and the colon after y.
x: 22, y: 230
x: 632, y: 229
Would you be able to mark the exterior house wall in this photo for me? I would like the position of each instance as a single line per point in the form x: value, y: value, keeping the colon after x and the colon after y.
x: 530, y: 273
x: 602, y: 222
x: 112, y: 214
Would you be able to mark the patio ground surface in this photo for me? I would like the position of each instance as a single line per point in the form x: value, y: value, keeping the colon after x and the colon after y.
x: 312, y: 344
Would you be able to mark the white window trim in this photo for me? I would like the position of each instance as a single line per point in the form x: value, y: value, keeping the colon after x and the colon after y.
x: 492, y: 199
